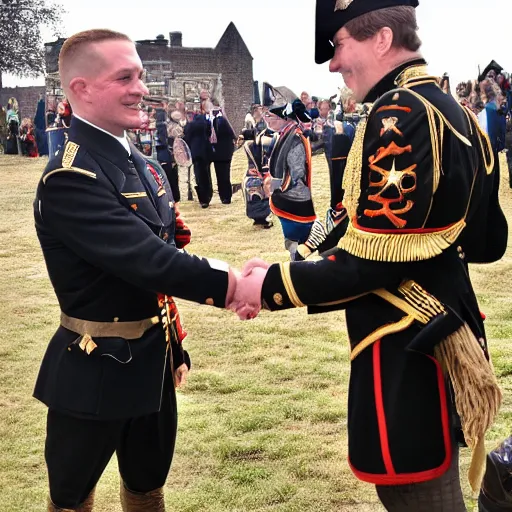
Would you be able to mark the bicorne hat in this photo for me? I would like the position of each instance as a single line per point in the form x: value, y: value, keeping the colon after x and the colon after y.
x: 331, y: 15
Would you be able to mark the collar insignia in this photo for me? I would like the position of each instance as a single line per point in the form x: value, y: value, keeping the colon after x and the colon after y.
x: 69, y: 154
x: 341, y: 5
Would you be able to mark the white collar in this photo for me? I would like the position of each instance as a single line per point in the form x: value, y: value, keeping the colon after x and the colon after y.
x: 122, y: 140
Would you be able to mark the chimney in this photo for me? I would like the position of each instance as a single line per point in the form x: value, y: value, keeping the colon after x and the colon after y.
x: 160, y: 40
x: 175, y: 38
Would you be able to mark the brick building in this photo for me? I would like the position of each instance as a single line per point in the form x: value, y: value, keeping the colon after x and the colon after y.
x: 181, y: 72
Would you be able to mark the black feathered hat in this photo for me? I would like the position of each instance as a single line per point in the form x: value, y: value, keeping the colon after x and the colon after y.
x: 331, y: 15
x: 295, y: 110
x: 493, y: 65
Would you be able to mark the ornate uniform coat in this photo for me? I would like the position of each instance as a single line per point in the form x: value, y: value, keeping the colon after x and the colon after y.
x: 257, y: 151
x: 106, y: 225
x: 290, y: 162
x: 422, y: 204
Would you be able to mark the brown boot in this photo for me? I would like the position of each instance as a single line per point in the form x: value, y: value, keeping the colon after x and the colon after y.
x: 152, y: 501
x: 86, y: 506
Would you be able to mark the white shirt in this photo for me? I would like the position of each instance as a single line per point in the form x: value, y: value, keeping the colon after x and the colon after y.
x: 482, y: 119
x: 122, y: 140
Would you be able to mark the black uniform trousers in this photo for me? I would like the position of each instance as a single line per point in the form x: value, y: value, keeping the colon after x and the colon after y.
x: 336, y: 172
x: 78, y: 450
x: 223, y: 173
x: 204, y: 187
x: 341, y: 145
x: 166, y: 160
x: 203, y: 177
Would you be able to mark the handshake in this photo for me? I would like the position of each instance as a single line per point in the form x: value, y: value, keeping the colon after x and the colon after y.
x: 244, y: 289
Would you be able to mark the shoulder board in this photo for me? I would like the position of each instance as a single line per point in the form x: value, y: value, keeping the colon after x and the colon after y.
x: 89, y: 174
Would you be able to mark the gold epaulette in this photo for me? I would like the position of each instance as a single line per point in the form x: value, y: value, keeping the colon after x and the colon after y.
x: 68, y: 158
x: 399, y: 247
x: 89, y: 174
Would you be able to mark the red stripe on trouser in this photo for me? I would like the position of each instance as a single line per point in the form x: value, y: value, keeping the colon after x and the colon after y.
x: 381, y: 415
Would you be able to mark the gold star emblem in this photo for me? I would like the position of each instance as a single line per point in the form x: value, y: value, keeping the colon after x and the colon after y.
x: 341, y: 5
x: 395, y: 178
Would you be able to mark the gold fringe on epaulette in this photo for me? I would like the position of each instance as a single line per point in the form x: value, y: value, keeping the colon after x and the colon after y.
x: 477, y: 394
x: 399, y: 247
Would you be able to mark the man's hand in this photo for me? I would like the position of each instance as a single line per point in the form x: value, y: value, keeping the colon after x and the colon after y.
x: 247, y: 297
x: 254, y: 263
x: 244, y: 290
x: 180, y: 375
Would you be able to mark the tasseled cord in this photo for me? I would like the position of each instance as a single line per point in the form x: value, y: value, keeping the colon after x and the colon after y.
x: 477, y: 394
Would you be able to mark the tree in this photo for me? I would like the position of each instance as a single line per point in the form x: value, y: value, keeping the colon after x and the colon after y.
x: 21, y: 42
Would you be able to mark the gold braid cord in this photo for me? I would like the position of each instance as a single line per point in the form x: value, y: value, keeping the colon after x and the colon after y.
x: 398, y: 246
x: 477, y: 394
x: 352, y: 176
x: 485, y: 143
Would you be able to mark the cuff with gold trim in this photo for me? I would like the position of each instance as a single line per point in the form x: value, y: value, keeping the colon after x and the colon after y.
x: 278, y: 291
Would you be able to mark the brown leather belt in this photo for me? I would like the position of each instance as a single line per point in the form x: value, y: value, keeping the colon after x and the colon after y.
x: 127, y: 330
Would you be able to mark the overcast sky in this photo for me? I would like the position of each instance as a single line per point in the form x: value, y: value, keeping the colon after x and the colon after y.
x: 458, y: 35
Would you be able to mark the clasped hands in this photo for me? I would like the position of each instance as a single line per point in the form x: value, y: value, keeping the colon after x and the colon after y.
x: 244, y: 290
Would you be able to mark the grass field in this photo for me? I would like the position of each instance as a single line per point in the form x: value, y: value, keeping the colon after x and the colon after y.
x: 263, y: 416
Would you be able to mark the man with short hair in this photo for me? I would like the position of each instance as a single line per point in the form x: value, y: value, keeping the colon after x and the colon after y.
x: 110, y: 237
x: 418, y: 190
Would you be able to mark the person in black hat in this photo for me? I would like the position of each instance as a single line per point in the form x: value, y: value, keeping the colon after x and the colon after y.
x: 492, y: 70
x: 422, y: 202
x: 289, y: 179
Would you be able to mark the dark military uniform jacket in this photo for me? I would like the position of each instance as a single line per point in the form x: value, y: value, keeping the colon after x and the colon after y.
x: 292, y: 200
x: 223, y: 149
x: 105, y: 222
x: 421, y: 197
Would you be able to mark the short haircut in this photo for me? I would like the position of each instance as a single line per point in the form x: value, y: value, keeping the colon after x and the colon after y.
x: 321, y: 102
x: 75, y: 45
x: 401, y: 20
